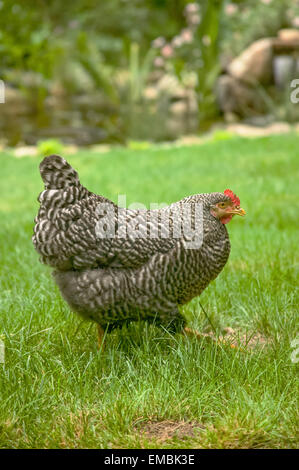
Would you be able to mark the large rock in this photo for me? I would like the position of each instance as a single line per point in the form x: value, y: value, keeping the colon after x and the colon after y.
x: 236, y: 97
x: 254, y: 65
x: 245, y: 130
x: 289, y: 35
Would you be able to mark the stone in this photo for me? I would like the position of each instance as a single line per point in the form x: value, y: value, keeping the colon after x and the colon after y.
x: 151, y: 93
x: 289, y: 35
x: 100, y: 148
x: 70, y: 149
x: 245, y: 130
x: 26, y: 151
x: 254, y: 65
x: 260, y: 121
x: 236, y: 97
x: 169, y: 84
x: 231, y: 117
x: 179, y: 108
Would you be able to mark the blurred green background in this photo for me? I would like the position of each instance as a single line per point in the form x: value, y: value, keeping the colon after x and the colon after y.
x: 87, y: 72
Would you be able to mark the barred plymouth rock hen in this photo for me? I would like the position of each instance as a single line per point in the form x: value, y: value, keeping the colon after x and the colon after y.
x: 115, y: 265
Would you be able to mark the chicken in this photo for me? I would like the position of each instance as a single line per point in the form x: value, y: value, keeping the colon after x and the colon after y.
x: 116, y: 265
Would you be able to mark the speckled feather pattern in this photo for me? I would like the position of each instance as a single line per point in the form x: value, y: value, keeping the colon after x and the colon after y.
x: 120, y: 279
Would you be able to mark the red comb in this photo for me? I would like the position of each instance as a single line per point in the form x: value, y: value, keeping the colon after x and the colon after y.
x: 233, y: 197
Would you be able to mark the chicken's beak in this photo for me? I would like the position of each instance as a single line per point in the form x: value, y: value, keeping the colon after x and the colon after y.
x: 238, y: 211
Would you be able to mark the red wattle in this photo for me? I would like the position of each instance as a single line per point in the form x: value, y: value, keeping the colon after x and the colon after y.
x: 225, y: 220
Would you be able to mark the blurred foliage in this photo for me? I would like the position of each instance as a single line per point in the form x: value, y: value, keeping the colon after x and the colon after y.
x: 220, y: 134
x: 34, y: 34
x: 209, y: 30
x: 245, y: 21
x: 107, y: 47
x: 50, y: 147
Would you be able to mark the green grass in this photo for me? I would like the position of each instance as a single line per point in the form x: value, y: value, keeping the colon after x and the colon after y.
x: 57, y: 390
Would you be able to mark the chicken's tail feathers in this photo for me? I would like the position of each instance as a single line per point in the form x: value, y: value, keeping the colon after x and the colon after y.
x: 57, y: 173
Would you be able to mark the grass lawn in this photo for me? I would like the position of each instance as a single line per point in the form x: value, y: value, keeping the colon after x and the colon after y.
x: 147, y: 388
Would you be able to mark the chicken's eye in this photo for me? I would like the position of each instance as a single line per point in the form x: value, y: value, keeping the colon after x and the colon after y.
x: 222, y: 205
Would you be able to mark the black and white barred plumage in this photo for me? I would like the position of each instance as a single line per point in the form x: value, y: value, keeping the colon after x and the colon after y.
x: 122, y: 278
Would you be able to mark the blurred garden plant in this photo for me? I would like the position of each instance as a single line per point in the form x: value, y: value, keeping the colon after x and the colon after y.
x: 193, y: 54
x: 114, y: 50
x: 49, y: 147
x: 245, y: 21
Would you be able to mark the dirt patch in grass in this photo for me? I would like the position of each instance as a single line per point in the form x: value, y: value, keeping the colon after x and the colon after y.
x: 248, y: 340
x: 165, y: 430
x: 237, y: 339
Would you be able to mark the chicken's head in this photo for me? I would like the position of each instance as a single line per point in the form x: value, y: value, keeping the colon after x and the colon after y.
x: 225, y: 209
